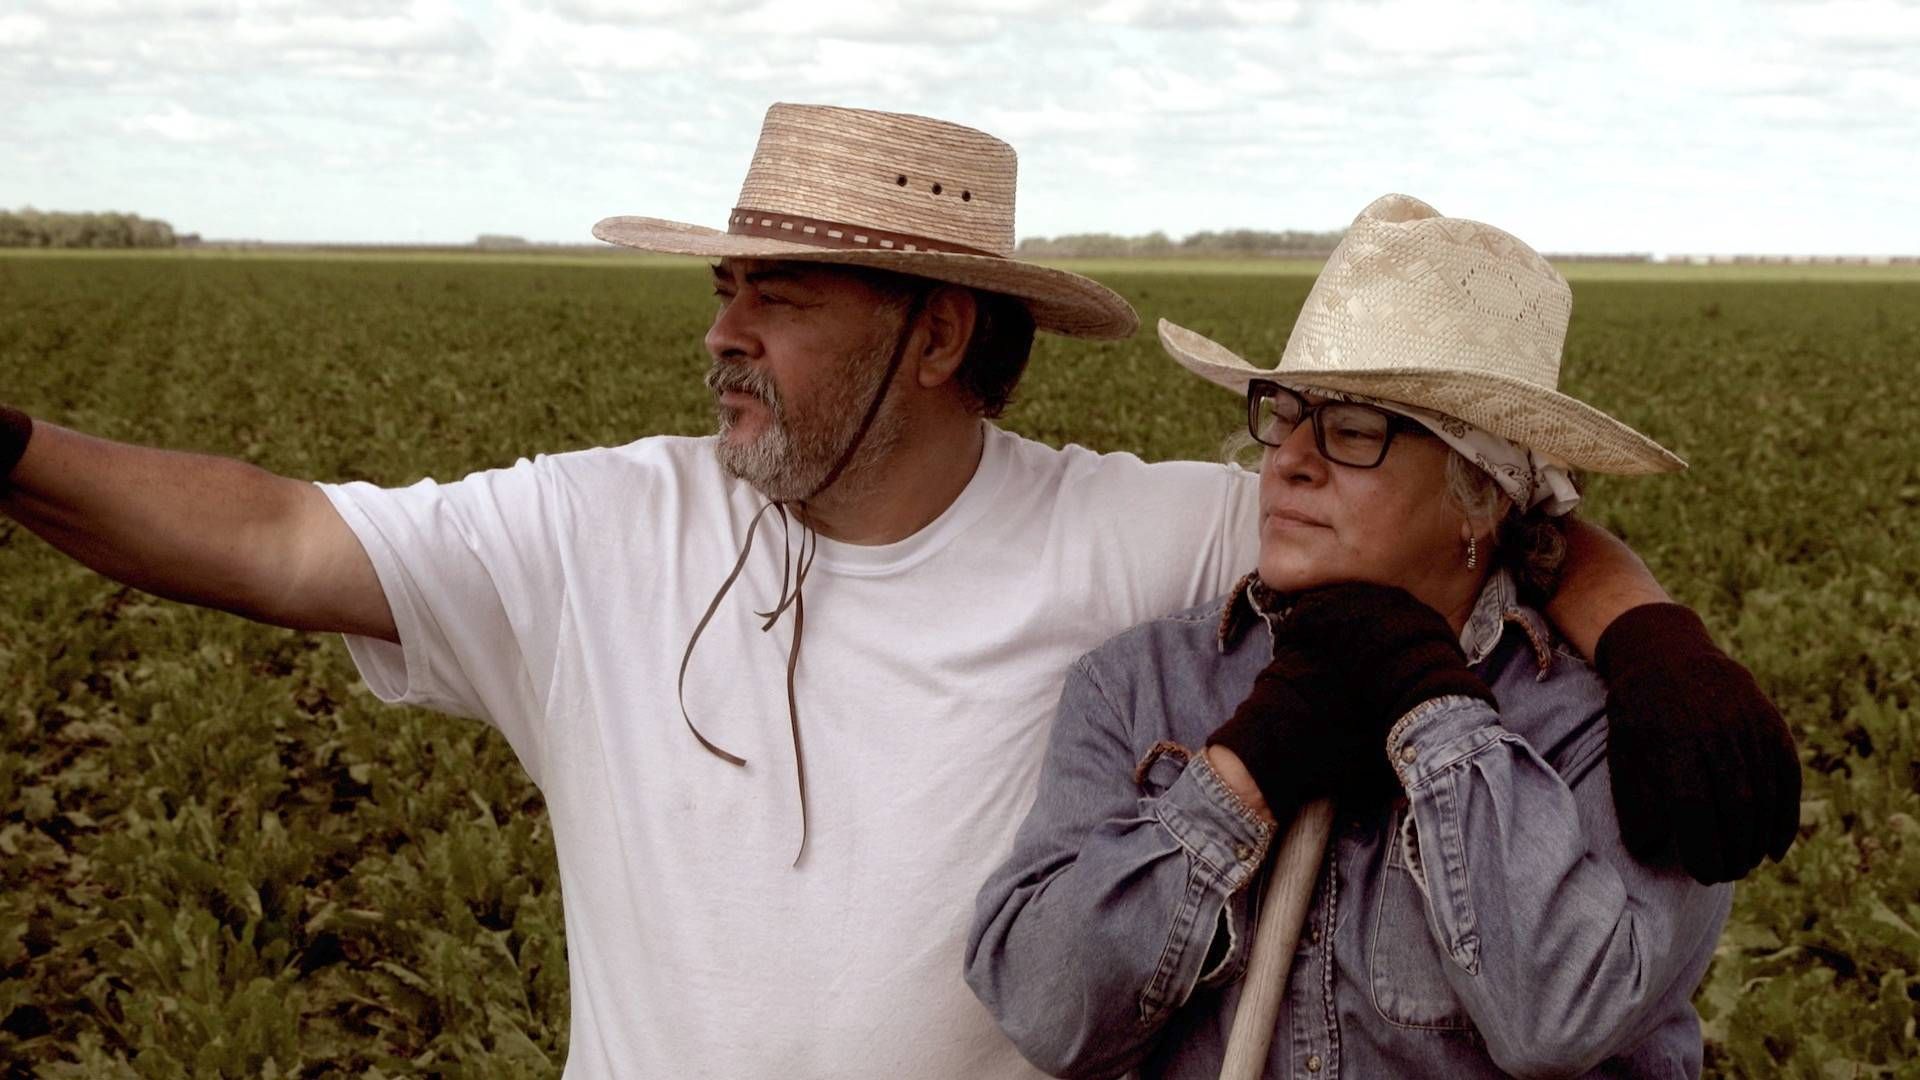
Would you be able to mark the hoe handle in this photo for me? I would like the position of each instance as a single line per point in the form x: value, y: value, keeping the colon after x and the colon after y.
x: 1282, y: 912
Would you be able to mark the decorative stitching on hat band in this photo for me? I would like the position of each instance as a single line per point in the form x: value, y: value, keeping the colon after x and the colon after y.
x: 837, y: 234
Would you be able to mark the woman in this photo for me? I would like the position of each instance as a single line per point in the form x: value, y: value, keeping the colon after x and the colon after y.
x: 1475, y: 913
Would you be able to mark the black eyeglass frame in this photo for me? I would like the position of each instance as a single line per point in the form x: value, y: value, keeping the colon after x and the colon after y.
x: 1260, y: 389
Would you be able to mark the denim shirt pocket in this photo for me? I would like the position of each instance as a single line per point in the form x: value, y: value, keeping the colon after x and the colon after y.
x: 1404, y: 962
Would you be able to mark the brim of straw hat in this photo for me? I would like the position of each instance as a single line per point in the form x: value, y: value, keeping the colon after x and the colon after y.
x: 1523, y: 412
x: 1061, y: 302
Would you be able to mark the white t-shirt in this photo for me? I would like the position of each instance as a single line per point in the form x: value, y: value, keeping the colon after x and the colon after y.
x: 554, y: 600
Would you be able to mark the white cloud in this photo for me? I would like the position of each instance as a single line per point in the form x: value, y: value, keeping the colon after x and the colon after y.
x: 1872, y: 25
x: 1194, y: 15
x: 421, y: 29
x: 20, y: 31
x: 647, y: 11
x: 752, y: 23
x: 176, y: 123
x: 584, y: 48
x: 125, y: 10
x: 1421, y: 28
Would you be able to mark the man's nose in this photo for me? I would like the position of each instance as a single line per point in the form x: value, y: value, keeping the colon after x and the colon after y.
x: 732, y: 336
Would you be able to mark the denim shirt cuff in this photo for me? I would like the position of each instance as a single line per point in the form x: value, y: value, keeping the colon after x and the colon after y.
x: 1213, y: 824
x: 1438, y: 733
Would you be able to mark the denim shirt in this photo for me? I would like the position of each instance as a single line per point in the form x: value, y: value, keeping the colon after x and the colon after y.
x: 1489, y: 922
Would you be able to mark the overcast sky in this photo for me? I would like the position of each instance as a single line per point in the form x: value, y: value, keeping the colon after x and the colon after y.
x: 1672, y: 127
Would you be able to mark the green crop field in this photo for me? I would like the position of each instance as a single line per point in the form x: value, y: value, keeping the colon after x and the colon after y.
x: 219, y: 856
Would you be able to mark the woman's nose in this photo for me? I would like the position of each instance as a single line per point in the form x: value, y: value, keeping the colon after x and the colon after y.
x: 1297, y: 459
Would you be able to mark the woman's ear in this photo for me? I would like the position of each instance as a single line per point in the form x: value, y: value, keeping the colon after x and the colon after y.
x: 949, y: 319
x: 1483, y: 531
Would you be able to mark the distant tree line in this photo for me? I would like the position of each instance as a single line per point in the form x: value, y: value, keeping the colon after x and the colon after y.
x: 53, y: 229
x: 1228, y: 242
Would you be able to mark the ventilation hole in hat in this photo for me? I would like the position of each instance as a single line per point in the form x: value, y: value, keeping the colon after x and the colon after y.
x: 936, y: 189
x: 966, y: 196
x: 901, y: 180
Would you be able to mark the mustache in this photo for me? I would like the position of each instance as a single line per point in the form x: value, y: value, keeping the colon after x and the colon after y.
x: 743, y: 379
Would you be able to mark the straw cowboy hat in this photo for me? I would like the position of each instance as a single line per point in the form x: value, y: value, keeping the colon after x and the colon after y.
x: 891, y: 191
x: 1446, y: 314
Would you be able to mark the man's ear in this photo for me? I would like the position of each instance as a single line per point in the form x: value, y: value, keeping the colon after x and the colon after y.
x: 948, y: 319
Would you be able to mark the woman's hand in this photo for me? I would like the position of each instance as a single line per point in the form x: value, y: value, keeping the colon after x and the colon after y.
x: 1374, y: 653
x: 1348, y: 661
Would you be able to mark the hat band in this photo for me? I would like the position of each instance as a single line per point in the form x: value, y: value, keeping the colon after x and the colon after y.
x: 837, y: 234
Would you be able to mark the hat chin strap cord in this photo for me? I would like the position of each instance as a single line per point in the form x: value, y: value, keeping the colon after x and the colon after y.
x: 793, y: 572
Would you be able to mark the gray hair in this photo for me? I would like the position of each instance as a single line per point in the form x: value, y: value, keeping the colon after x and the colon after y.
x: 1527, y: 543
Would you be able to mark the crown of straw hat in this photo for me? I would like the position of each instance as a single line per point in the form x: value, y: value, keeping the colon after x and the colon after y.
x: 890, y: 191
x: 1444, y: 313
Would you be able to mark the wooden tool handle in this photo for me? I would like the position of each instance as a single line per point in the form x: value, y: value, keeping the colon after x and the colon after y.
x: 1282, y: 912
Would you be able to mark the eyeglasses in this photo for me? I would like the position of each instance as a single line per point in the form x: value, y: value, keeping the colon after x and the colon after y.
x: 1346, y: 433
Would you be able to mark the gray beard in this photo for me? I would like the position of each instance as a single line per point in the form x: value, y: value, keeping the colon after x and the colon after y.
x: 791, y: 458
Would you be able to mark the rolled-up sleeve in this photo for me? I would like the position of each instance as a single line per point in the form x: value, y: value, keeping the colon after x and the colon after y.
x: 1104, y: 917
x: 1564, y: 949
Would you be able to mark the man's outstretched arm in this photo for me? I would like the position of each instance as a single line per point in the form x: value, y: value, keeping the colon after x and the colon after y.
x: 192, y: 527
x: 1705, y: 771
x: 1601, y: 580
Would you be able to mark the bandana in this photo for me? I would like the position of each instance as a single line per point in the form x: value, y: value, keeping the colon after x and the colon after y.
x: 1528, y: 477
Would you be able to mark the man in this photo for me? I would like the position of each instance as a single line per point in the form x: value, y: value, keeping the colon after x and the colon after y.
x: 785, y: 689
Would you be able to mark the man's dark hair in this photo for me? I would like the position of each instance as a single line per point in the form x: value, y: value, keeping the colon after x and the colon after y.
x: 998, y: 352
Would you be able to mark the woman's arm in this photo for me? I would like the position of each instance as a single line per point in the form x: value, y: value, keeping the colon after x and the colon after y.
x: 1565, y: 949
x: 1105, y: 917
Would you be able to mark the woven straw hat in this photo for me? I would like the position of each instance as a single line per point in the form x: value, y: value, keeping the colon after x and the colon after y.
x: 891, y: 191
x: 1444, y: 313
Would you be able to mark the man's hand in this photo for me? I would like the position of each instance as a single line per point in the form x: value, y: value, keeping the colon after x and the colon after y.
x: 1601, y: 580
x: 1348, y: 661
x: 1704, y: 769
x: 16, y: 428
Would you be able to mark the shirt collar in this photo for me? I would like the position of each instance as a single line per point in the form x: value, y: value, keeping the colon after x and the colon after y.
x: 1249, y: 599
x: 1497, y: 606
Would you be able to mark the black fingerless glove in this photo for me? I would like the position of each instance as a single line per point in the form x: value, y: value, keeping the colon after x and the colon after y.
x: 1349, y: 661
x: 16, y: 428
x: 1375, y: 652
x: 1704, y: 768
x: 1294, y: 754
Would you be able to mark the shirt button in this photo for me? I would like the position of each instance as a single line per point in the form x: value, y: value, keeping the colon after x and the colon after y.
x: 1242, y: 852
x: 1406, y: 754
x: 1313, y: 1062
x: 1315, y: 936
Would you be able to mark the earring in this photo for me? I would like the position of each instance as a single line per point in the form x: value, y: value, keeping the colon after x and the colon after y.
x: 1473, y: 553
